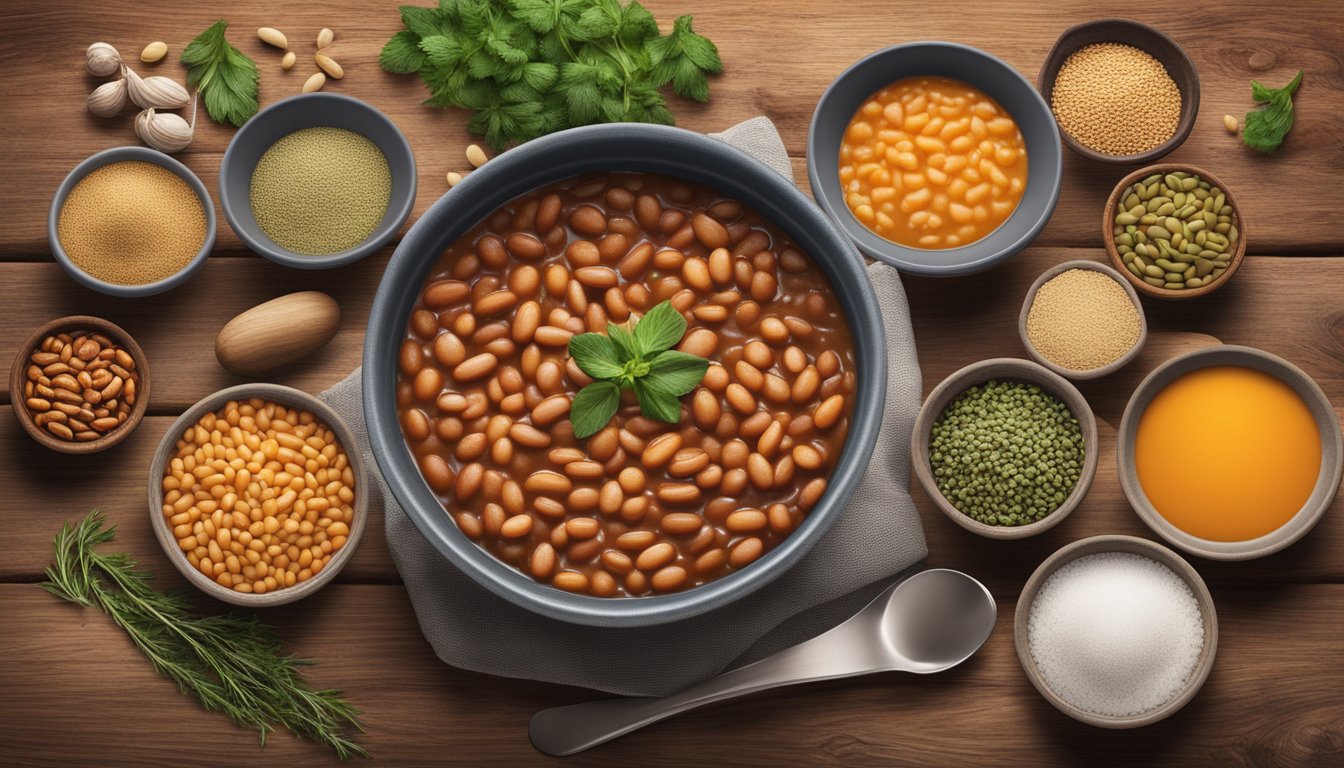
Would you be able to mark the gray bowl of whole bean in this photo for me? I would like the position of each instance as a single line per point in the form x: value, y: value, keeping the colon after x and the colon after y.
x: 682, y: 155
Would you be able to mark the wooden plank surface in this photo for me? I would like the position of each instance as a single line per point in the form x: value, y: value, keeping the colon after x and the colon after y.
x: 76, y: 692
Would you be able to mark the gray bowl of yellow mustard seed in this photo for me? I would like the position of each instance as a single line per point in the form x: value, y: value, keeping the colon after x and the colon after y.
x: 318, y: 180
x: 1082, y: 320
x: 1005, y: 448
x: 131, y: 222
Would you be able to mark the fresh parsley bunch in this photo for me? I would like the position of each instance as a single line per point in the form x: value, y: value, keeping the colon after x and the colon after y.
x: 641, y: 359
x: 531, y: 67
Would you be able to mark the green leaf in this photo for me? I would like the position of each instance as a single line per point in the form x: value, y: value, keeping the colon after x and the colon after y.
x: 660, y: 328
x: 596, y: 355
x: 423, y: 22
x: 540, y: 75
x: 402, y: 54
x: 700, y: 50
x: 599, y: 20
x: 225, y: 77
x: 656, y: 403
x: 1265, y: 128
x: 441, y: 51
x: 593, y: 407
x: 627, y: 346
x: 637, y: 25
x: 677, y: 372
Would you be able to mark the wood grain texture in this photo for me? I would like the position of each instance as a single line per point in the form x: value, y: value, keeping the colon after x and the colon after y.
x: 75, y: 687
x: 75, y: 692
x: 53, y: 131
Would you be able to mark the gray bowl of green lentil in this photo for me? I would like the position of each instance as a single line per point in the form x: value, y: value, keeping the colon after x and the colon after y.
x: 1003, y: 369
x: 284, y: 118
x: 109, y: 157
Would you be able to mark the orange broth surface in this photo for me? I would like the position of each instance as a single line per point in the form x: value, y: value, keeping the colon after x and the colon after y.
x: 934, y: 163
x: 1227, y: 453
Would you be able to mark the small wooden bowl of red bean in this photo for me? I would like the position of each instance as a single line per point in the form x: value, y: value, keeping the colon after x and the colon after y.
x: 642, y: 507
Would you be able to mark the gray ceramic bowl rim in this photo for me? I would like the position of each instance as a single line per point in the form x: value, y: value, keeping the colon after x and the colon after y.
x: 288, y: 396
x: 125, y: 154
x: 1019, y: 370
x: 1327, y: 483
x: 616, y: 147
x: 1093, y: 373
x: 1117, y: 543
x: 826, y: 189
x: 401, y: 209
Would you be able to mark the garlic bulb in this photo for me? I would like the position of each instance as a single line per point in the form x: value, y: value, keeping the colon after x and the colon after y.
x: 165, y: 132
x: 108, y: 99
x: 102, y: 60
x: 156, y: 92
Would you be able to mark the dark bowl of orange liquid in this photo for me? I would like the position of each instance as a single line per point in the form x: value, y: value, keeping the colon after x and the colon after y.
x: 934, y: 157
x: 1230, y: 453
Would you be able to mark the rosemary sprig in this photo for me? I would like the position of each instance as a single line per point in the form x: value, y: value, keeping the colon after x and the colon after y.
x: 231, y: 663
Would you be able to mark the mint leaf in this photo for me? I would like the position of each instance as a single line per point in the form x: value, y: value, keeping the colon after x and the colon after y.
x: 421, y: 21
x: 627, y: 346
x: 402, y: 54
x: 224, y: 75
x: 593, y: 407
x: 596, y: 355
x: 656, y: 403
x: 677, y: 372
x: 1265, y: 128
x: 660, y: 328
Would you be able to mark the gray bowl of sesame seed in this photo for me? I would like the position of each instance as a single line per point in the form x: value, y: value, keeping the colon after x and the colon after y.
x: 316, y: 181
x: 1100, y: 72
x: 1082, y: 320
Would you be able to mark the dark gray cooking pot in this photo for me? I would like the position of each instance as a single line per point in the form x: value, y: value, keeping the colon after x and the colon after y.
x: 618, y: 147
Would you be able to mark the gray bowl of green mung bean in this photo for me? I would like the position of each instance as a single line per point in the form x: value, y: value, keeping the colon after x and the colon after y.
x: 317, y: 181
x: 1005, y: 448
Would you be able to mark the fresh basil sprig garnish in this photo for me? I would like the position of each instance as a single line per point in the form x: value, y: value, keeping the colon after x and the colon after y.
x: 641, y: 359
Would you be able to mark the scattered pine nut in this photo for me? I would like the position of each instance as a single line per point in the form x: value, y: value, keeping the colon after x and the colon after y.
x: 288, y: 61
x: 476, y: 156
x: 329, y: 65
x: 272, y: 36
x: 324, y: 38
x: 454, y: 178
x: 154, y: 52
x: 315, y: 82
x: 1230, y: 123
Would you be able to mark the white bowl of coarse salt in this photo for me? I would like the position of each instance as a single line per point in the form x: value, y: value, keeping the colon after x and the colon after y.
x: 1116, y: 631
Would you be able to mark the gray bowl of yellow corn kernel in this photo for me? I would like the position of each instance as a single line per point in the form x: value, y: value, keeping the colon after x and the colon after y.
x: 316, y: 181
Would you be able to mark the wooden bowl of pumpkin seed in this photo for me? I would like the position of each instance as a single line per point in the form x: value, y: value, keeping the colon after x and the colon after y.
x: 1174, y: 230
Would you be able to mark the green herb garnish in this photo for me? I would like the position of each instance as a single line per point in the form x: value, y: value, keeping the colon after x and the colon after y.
x: 1266, y: 126
x: 641, y: 359
x: 531, y: 67
x: 225, y: 76
x: 230, y: 663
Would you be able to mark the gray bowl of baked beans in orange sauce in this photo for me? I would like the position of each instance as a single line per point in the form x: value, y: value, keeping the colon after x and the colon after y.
x: 466, y: 377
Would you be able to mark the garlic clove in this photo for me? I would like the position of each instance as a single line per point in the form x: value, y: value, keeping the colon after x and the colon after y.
x: 165, y: 131
x: 108, y: 99
x: 102, y: 60
x: 157, y: 92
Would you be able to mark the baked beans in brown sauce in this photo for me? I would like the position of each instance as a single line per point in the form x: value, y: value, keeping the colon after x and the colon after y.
x: 485, y: 382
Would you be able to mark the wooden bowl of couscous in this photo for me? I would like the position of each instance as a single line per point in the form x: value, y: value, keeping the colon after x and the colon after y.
x: 258, y: 494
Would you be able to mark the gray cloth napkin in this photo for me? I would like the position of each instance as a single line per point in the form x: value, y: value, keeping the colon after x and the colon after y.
x: 875, y: 540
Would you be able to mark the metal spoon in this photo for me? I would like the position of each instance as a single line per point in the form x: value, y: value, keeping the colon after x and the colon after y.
x: 930, y: 622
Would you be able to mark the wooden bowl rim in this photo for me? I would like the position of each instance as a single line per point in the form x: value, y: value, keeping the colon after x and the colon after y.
x: 1141, y: 36
x: 1010, y: 368
x: 288, y: 396
x: 1108, y: 235
x: 62, y: 325
x: 1093, y: 373
x: 1133, y: 545
x: 1332, y: 441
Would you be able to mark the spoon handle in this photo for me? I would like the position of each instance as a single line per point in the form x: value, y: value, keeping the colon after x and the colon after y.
x: 844, y: 651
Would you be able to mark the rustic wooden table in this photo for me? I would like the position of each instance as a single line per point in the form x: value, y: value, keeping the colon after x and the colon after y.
x: 77, y: 693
